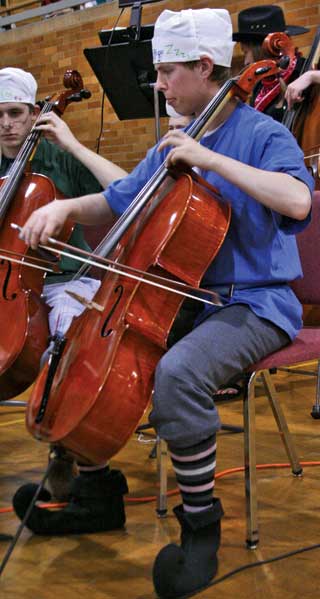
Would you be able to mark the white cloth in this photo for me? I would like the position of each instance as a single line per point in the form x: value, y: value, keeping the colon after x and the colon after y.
x: 190, y: 34
x: 171, y: 111
x: 64, y: 307
x: 17, y: 85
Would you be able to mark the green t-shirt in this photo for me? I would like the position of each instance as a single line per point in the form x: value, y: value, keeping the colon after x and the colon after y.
x: 72, y: 179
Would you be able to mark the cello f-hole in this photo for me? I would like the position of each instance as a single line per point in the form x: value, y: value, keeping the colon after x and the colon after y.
x: 119, y: 291
x: 6, y: 281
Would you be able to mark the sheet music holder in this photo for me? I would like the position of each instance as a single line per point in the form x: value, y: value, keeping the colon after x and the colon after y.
x: 126, y: 73
x: 122, y: 35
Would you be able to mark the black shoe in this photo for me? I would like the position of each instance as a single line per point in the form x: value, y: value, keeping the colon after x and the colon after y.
x: 96, y: 505
x: 180, y: 570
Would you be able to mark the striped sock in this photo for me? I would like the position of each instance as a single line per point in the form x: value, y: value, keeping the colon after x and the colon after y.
x: 195, y: 469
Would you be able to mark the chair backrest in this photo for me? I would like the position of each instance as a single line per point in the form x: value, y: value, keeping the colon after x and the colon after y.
x: 307, y: 289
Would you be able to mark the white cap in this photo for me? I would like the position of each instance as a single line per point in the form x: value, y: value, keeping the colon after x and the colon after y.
x: 17, y: 85
x: 190, y: 34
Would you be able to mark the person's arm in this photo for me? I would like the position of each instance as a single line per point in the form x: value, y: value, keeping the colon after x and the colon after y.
x: 48, y: 221
x: 295, y: 89
x: 278, y: 191
x: 57, y: 131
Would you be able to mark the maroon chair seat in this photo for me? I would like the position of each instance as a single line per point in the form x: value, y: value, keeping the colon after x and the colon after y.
x: 305, y: 347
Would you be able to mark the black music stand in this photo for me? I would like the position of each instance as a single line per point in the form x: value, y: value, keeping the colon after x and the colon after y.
x: 126, y: 73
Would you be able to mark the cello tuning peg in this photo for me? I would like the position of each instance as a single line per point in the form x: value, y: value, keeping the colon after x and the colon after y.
x: 284, y: 62
x: 79, y: 96
x: 84, y: 93
x: 262, y: 70
x: 75, y: 97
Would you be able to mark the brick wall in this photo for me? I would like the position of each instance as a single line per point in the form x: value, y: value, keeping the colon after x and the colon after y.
x: 47, y: 48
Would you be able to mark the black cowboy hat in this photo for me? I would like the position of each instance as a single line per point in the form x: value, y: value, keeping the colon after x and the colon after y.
x: 256, y: 22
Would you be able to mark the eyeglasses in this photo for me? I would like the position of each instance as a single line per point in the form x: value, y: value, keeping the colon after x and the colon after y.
x: 12, y: 122
x: 12, y: 117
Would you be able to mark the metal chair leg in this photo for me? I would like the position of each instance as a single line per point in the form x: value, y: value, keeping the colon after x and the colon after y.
x: 282, y: 424
x: 315, y: 412
x: 162, y: 454
x: 252, y: 539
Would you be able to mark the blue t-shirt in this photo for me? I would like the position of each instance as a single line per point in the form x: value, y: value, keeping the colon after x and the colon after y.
x: 260, y: 247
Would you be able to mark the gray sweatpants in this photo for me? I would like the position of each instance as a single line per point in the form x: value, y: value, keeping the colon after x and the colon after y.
x: 222, y: 346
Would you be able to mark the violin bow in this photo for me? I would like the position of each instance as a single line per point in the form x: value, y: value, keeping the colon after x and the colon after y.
x: 130, y: 272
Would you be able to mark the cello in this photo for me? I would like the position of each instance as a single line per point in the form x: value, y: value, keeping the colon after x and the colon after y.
x: 304, y: 119
x: 102, y: 386
x: 23, y: 315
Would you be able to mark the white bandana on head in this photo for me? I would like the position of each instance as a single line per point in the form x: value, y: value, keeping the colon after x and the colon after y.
x: 17, y: 85
x: 190, y: 34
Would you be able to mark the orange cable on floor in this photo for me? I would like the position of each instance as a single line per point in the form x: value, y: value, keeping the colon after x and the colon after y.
x: 176, y: 491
